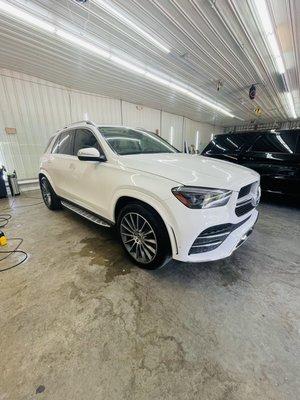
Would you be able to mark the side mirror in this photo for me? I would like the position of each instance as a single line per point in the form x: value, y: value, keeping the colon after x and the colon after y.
x: 90, y: 154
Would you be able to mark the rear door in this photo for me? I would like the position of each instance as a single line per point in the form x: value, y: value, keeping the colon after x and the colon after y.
x: 60, y: 160
x: 273, y: 156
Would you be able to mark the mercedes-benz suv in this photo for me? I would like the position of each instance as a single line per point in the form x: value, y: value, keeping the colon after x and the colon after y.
x: 163, y: 204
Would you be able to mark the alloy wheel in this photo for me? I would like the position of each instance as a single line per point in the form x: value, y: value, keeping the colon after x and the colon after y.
x: 138, y: 237
x: 46, y: 192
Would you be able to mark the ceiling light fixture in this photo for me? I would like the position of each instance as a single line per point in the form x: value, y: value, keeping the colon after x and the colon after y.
x: 290, y: 102
x: 26, y: 17
x: 107, y: 55
x: 133, y: 25
x: 266, y: 24
x: 82, y: 43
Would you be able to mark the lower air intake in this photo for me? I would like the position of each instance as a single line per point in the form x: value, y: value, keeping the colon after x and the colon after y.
x: 213, y: 237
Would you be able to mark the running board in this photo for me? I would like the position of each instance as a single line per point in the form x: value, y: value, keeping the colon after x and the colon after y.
x: 85, y: 214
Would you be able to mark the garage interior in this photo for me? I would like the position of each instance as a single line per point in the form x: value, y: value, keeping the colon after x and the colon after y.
x: 80, y: 321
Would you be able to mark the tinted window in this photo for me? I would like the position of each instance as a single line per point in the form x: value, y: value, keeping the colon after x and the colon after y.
x: 55, y: 146
x: 298, y: 143
x: 128, y: 141
x: 276, y: 143
x: 84, y: 139
x: 226, y: 144
x: 64, y: 143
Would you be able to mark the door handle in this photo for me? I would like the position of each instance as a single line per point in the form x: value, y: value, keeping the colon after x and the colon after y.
x: 72, y: 166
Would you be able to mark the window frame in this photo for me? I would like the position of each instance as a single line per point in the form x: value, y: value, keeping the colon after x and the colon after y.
x: 58, y: 139
x: 273, y: 152
x: 297, y: 143
x: 140, y: 131
x: 102, y: 152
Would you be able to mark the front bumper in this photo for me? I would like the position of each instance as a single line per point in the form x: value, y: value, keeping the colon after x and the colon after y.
x: 188, y: 224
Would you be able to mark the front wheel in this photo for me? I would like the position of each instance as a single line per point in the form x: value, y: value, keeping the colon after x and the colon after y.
x: 143, y: 236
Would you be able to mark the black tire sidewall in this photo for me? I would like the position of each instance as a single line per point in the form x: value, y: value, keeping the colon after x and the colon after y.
x: 163, y: 243
x: 55, y: 202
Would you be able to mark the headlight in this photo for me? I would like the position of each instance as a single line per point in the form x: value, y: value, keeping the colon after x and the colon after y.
x: 199, y: 197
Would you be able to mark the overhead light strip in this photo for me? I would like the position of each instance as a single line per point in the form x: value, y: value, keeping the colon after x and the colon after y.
x: 266, y: 24
x: 107, y: 55
x: 290, y: 102
x: 122, y: 17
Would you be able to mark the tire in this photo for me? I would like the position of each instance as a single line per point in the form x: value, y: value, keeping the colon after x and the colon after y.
x: 50, y: 198
x: 144, y: 236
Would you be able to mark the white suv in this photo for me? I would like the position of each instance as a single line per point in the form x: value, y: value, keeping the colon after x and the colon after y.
x: 164, y: 204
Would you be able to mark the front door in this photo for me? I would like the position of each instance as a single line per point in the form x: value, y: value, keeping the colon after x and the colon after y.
x: 273, y: 157
x: 89, y: 178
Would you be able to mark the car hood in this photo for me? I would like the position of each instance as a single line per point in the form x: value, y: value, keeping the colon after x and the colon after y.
x: 192, y: 170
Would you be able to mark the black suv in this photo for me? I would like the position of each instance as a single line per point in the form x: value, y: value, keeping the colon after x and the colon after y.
x: 275, y: 155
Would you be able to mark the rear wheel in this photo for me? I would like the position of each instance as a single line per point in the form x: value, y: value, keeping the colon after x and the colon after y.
x: 143, y: 236
x: 49, y: 196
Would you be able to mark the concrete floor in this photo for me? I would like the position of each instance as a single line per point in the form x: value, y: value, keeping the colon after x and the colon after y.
x: 79, y: 321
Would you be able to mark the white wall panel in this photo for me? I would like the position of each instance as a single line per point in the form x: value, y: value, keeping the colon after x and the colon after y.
x: 36, y: 109
x: 199, y: 134
x: 140, y: 117
x: 172, y: 129
x: 102, y: 110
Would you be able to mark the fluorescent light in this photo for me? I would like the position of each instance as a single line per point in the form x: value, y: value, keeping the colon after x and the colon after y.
x: 118, y: 14
x: 157, y: 78
x: 93, y: 48
x: 26, y: 17
x: 171, y: 135
x: 266, y: 23
x: 128, y: 65
x: 197, y: 140
x: 189, y: 93
x: 290, y: 102
x: 82, y: 43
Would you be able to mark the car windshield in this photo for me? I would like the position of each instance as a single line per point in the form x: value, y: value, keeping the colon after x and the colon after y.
x: 126, y: 141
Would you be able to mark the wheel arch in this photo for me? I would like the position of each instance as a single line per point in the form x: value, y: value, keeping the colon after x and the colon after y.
x: 46, y: 175
x: 151, y: 204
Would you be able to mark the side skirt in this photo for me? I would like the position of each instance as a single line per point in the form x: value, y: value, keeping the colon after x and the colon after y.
x: 97, y: 219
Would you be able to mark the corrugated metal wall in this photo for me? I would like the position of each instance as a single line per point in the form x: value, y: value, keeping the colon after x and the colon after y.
x: 96, y: 108
x: 140, y: 116
x: 37, y: 108
x: 199, y: 134
x: 172, y: 129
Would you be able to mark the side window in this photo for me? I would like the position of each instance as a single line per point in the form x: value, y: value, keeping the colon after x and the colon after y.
x: 64, y: 143
x: 298, y: 143
x: 225, y: 144
x: 275, y: 143
x: 55, y: 146
x: 85, y: 138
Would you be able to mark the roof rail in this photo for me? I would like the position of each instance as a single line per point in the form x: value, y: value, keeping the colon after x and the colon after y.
x: 80, y: 122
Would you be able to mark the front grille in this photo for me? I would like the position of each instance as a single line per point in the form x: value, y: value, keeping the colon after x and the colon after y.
x: 244, y: 208
x: 246, y: 196
x: 213, y: 237
x: 245, y: 191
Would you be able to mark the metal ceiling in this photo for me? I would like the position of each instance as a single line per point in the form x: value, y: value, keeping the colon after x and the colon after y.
x: 210, y: 41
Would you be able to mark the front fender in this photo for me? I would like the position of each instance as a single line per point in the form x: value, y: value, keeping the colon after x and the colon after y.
x: 158, y: 205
